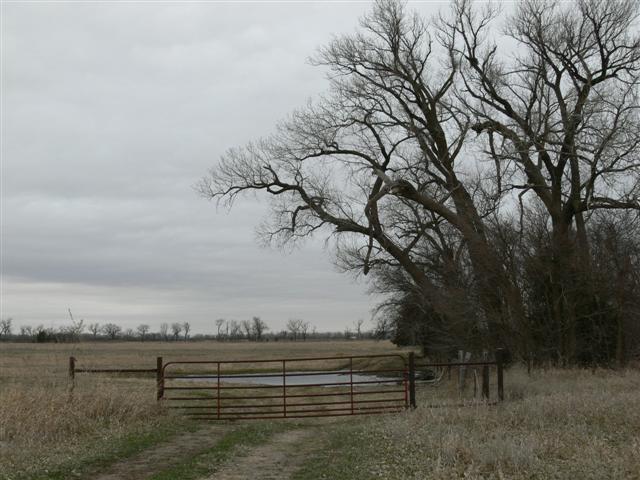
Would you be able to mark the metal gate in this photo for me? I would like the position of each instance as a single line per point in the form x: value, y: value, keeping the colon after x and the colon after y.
x: 286, y: 388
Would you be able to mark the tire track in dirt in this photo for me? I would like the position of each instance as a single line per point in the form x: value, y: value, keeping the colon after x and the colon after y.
x: 164, y: 455
x: 277, y: 459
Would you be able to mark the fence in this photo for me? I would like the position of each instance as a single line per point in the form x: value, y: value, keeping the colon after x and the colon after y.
x: 73, y: 370
x: 498, y: 363
x: 221, y: 390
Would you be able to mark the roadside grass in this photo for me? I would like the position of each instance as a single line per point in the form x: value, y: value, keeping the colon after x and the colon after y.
x: 46, y: 433
x: 100, y: 454
x: 557, y: 424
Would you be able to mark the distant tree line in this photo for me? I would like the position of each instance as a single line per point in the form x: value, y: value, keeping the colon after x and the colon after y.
x: 255, y: 330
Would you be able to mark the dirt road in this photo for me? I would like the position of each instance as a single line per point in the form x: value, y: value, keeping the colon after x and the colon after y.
x: 162, y: 456
x: 277, y: 458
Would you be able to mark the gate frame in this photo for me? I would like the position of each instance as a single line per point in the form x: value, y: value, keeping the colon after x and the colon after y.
x: 407, y: 378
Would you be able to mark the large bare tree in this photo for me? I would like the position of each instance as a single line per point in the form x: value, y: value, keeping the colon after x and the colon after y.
x: 377, y: 161
x: 388, y: 162
x: 561, y: 118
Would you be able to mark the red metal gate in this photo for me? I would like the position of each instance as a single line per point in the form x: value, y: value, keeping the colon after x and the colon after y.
x: 286, y: 388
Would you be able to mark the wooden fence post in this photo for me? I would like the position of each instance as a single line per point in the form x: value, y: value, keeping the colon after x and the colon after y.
x: 159, y: 379
x: 500, y: 364
x: 463, y: 357
x: 412, y: 380
x: 485, y: 382
x: 72, y: 372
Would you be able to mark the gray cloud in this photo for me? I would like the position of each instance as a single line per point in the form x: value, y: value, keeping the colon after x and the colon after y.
x: 111, y: 112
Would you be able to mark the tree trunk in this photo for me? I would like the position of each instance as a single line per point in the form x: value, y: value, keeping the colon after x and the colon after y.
x: 500, y: 298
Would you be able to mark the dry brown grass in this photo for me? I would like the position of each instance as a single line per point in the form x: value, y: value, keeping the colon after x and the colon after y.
x: 19, y: 360
x: 557, y: 424
x: 42, y: 425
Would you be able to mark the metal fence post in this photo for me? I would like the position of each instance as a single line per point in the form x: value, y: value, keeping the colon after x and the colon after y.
x: 72, y: 372
x: 159, y: 378
x: 412, y: 380
x: 284, y: 388
x: 500, y: 365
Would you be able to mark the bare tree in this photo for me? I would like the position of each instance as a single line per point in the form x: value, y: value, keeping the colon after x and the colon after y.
x: 187, y: 328
x: 376, y: 161
x: 26, y: 331
x: 40, y: 333
x: 382, y: 328
x: 176, y: 329
x: 143, y: 329
x: 164, y: 331
x: 431, y: 132
x: 294, y: 325
x: 74, y: 330
x: 247, y: 327
x: 560, y: 119
x: 235, y: 329
x: 358, y: 326
x: 347, y: 333
x: 304, y: 330
x: 77, y: 327
x: 5, y: 326
x: 95, y: 329
x: 111, y: 330
x: 219, y: 324
x: 258, y: 327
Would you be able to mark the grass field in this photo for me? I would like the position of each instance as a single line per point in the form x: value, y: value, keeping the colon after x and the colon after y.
x: 44, y: 429
x: 555, y: 424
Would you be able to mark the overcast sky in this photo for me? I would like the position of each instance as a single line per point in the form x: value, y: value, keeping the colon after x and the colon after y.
x: 110, y: 114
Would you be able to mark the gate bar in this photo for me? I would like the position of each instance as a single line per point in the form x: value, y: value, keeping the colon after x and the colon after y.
x: 229, y: 406
x: 284, y: 387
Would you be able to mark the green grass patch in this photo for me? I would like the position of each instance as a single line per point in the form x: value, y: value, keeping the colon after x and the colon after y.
x: 207, y: 462
x: 342, y: 456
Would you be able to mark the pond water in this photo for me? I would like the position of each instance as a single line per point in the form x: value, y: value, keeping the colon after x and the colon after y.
x: 303, y: 378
